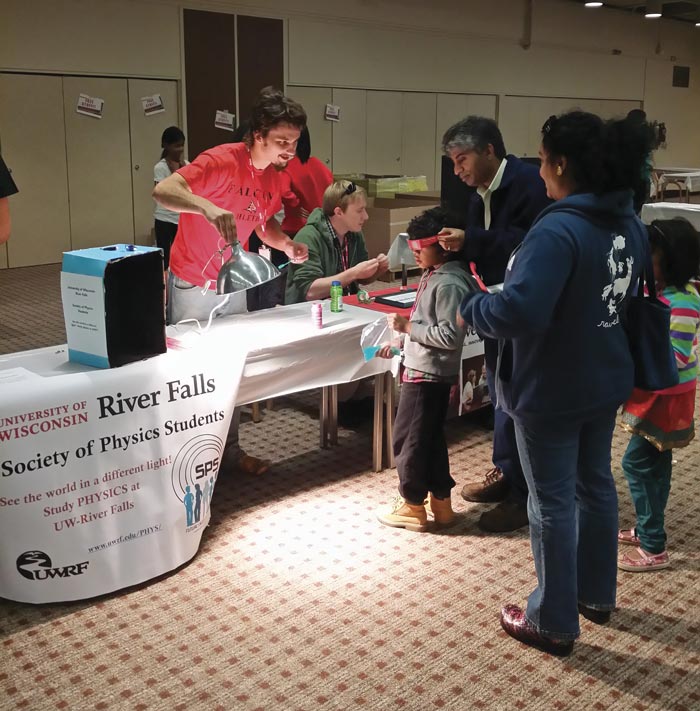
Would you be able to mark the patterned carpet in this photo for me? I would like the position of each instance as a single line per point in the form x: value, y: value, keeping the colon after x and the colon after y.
x: 300, y: 600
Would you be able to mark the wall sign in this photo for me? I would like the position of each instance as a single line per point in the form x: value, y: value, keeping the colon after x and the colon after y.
x: 332, y: 112
x: 90, y: 106
x: 224, y: 120
x: 152, y: 104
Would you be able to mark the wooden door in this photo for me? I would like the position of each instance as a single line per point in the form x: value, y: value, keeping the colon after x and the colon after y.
x: 210, y: 76
x: 99, y: 164
x: 384, y: 132
x: 146, y: 132
x: 314, y: 100
x: 33, y: 146
x: 350, y: 133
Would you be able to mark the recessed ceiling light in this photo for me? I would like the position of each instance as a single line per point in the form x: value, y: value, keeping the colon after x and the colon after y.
x: 653, y: 9
x: 593, y: 4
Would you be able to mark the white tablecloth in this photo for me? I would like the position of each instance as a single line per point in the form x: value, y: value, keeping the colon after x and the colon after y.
x: 106, y: 475
x: 668, y: 210
x: 688, y: 178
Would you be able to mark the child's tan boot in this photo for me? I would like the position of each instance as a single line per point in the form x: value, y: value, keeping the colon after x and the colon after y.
x: 401, y: 514
x: 442, y: 512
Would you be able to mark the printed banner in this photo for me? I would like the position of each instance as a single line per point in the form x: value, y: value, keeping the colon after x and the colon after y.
x: 90, y: 106
x: 106, y: 477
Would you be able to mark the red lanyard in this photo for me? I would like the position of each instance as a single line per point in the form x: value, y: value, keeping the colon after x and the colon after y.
x: 343, y: 250
x: 421, y: 288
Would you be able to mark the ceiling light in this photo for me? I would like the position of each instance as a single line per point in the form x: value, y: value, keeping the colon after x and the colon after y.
x: 653, y: 9
x: 593, y: 4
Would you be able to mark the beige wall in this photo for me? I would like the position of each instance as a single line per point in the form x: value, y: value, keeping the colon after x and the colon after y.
x: 438, y: 46
x: 104, y: 37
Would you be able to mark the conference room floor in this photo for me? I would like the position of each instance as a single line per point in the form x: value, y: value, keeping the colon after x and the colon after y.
x: 300, y: 599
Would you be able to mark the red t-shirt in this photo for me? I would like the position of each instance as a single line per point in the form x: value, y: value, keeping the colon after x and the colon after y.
x: 226, y: 176
x: 305, y: 185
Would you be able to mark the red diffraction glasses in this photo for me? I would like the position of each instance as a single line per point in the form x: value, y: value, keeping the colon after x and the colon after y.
x: 424, y: 242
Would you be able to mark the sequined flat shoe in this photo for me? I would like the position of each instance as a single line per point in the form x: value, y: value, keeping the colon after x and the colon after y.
x: 628, y: 537
x: 644, y: 562
x: 515, y: 623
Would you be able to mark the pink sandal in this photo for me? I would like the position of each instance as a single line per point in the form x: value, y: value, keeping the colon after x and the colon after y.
x: 628, y: 537
x: 646, y: 562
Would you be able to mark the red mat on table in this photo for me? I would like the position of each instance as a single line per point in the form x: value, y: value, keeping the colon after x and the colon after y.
x: 384, y: 308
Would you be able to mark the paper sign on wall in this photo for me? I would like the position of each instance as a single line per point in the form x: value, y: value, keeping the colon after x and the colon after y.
x: 90, y: 106
x: 332, y: 112
x: 152, y: 104
x: 224, y: 120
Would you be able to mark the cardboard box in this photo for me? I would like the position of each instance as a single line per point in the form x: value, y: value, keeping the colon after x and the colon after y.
x: 113, y: 304
x: 388, y: 217
x: 431, y: 196
x: 386, y: 186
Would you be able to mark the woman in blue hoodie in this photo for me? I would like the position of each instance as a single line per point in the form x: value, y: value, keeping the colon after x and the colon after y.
x: 564, y: 366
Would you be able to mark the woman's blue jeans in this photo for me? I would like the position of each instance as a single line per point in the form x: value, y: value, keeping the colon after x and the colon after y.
x: 572, y: 507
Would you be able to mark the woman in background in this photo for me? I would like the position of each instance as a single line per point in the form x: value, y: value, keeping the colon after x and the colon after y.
x: 171, y: 159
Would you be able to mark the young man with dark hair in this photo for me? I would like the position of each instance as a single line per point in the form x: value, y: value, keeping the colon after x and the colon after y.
x: 224, y: 195
x: 509, y: 195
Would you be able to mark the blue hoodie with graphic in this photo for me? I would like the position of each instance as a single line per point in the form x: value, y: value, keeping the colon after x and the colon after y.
x: 562, y: 348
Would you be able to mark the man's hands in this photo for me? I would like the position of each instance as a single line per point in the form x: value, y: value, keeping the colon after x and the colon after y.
x: 296, y: 251
x: 451, y: 239
x: 223, y: 220
x: 370, y: 268
x: 364, y: 270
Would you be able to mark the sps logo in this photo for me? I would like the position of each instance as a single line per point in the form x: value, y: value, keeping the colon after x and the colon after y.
x: 36, y: 565
x: 194, y: 476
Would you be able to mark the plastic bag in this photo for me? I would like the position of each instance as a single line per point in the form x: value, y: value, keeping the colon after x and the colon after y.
x: 378, y: 334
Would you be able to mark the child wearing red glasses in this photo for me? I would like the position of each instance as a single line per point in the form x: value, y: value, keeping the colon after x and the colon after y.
x: 432, y: 353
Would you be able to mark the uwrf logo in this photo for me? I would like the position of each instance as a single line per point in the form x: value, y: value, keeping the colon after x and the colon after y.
x: 252, y: 207
x: 194, y: 475
x: 36, y: 565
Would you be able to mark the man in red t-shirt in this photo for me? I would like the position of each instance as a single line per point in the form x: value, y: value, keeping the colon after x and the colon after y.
x: 224, y: 195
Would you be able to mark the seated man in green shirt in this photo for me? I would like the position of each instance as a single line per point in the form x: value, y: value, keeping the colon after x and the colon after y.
x: 337, y: 251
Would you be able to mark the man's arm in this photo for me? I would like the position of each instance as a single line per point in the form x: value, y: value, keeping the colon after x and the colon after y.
x: 273, y: 237
x: 512, y: 215
x: 175, y: 194
x: 362, y: 272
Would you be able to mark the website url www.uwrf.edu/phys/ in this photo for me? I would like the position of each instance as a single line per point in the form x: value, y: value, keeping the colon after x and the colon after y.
x: 128, y: 537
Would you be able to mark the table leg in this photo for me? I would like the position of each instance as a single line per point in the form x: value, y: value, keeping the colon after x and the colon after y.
x: 333, y: 415
x: 389, y: 412
x: 323, y: 417
x: 378, y: 433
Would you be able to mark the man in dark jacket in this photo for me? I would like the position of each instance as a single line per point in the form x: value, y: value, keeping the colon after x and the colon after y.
x: 509, y: 196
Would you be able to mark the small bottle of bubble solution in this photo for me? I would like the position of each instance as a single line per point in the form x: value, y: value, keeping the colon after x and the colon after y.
x: 317, y: 314
x: 336, y: 297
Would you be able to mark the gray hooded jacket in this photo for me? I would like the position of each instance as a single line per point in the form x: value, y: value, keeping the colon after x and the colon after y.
x: 435, y: 343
